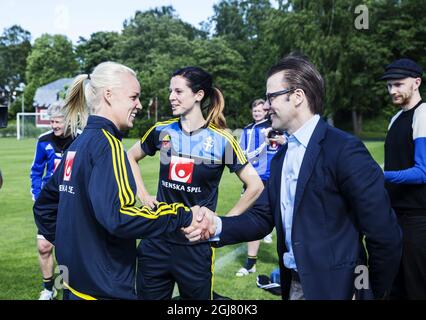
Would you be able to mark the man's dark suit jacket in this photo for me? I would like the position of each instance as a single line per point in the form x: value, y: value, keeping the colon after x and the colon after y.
x: 340, y: 198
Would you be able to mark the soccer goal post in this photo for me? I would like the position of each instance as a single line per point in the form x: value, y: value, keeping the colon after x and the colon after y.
x: 30, y: 124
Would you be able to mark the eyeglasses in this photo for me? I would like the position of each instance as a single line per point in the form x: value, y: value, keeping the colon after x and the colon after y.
x: 272, y: 95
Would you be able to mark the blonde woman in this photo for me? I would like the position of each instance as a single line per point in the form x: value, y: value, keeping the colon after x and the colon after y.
x: 87, y: 210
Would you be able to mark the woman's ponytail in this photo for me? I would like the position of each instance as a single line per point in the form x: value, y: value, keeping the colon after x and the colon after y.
x: 217, y: 106
x: 84, y: 99
x: 75, y: 109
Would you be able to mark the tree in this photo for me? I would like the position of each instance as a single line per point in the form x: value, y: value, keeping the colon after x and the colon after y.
x: 155, y: 43
x: 101, y: 47
x: 52, y: 58
x: 245, y: 26
x: 241, y: 22
x: 225, y: 65
x: 15, y: 47
x: 349, y: 59
x: 152, y: 31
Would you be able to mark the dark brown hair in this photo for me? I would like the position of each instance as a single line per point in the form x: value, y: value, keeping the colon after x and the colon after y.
x: 300, y: 73
x: 198, y: 79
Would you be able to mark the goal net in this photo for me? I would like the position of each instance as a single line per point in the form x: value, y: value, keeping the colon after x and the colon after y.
x: 31, y: 124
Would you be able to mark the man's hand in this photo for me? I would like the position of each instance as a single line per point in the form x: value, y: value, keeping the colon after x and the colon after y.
x: 203, y: 224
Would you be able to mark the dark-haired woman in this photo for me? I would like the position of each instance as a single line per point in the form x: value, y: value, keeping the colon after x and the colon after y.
x: 193, y: 153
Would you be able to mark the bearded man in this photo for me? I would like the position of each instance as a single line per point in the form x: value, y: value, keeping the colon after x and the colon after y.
x: 405, y: 174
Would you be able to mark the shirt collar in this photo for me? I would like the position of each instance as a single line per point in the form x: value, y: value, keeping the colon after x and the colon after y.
x: 192, y: 132
x: 98, y: 122
x: 303, y: 134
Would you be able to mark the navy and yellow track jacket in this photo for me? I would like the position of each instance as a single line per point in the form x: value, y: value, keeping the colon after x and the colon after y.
x: 87, y: 210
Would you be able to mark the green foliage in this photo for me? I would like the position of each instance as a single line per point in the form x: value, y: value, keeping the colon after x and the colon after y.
x: 140, y: 127
x: 52, y: 58
x: 163, y: 42
x: 351, y: 60
x: 15, y: 47
x: 9, y: 131
x: 101, y: 47
x: 237, y: 45
x: 225, y: 69
x: 152, y: 30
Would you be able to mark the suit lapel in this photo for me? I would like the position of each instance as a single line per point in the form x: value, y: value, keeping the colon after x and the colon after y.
x: 309, y: 160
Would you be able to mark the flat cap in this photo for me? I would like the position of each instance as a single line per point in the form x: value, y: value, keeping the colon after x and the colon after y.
x: 402, y: 68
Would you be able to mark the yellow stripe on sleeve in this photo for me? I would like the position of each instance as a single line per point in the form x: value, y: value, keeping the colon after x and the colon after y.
x: 235, y: 146
x: 145, y: 136
x: 212, y: 269
x: 125, y: 193
x: 115, y: 167
x: 122, y: 170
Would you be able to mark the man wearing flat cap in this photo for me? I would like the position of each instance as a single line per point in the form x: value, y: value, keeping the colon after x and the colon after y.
x: 405, y: 174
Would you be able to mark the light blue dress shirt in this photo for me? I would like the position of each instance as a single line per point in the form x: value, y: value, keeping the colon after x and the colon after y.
x: 297, y: 144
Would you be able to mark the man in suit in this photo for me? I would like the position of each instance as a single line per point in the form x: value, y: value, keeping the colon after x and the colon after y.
x: 324, y: 195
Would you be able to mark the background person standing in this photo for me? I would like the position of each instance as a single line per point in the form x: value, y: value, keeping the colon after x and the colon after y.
x: 405, y: 174
x: 49, y: 151
x: 259, y: 153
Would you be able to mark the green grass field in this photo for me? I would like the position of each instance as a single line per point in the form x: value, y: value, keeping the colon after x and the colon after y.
x: 19, y: 271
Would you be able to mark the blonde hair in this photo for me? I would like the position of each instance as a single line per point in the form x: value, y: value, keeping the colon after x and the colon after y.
x: 83, y: 97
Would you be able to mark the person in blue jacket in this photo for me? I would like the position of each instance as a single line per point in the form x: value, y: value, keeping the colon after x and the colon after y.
x: 88, y: 208
x: 259, y: 151
x: 49, y: 151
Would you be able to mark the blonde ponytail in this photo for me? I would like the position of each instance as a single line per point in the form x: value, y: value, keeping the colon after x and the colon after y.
x: 84, y: 99
x: 216, y: 115
x: 76, y: 111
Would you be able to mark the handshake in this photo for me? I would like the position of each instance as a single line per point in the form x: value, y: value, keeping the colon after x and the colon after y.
x: 203, y: 225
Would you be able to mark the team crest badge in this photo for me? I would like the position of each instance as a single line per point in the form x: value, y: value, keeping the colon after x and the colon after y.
x: 166, y: 142
x: 208, y: 144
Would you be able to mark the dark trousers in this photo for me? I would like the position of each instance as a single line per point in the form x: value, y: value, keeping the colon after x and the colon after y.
x: 162, y: 264
x: 410, y: 282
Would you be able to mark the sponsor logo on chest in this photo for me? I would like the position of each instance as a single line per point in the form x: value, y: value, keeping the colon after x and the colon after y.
x: 68, y: 165
x: 181, y: 169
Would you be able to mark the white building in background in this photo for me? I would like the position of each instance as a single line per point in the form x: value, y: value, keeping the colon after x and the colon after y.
x: 48, y: 94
